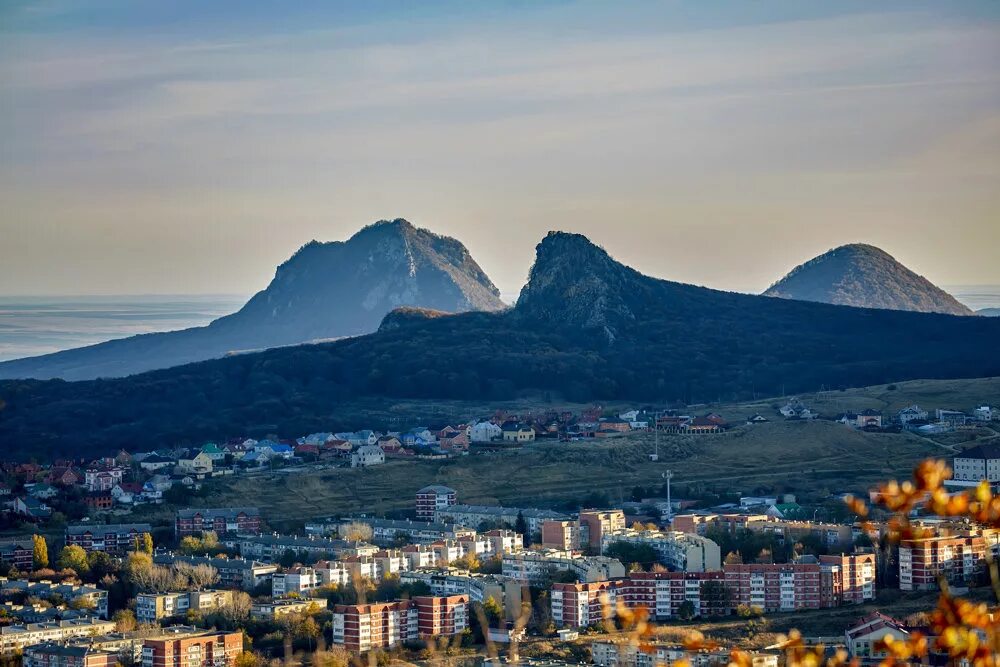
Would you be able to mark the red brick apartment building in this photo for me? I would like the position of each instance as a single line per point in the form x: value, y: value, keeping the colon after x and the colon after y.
x: 775, y: 586
x: 663, y: 593
x: 582, y: 605
x: 432, y: 498
x: 363, y: 627
x: 217, y: 649
x: 114, y: 539
x: 847, y: 579
x: 222, y: 521
x: 960, y: 558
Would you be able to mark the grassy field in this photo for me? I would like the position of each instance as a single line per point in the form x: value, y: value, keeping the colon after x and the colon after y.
x: 809, y: 459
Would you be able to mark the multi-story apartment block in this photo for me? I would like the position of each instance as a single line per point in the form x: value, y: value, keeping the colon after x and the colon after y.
x: 664, y: 593
x: 361, y: 567
x: 774, y: 587
x: 477, y: 587
x: 362, y: 628
x: 114, y: 539
x: 96, y: 599
x: 16, y: 637
x: 390, y: 561
x: 563, y: 534
x: 154, y: 607
x: 504, y: 541
x: 238, y: 573
x: 433, y: 498
x: 851, y: 578
x: 300, y: 581
x: 59, y: 655
x: 222, y: 521
x: 536, y: 567
x: 272, y: 547
x: 419, y: 555
x: 389, y: 532
x: 788, y: 531
x: 211, y: 649
x: 630, y: 654
x: 960, y: 558
x: 474, y: 515
x: 270, y: 609
x: 684, y: 552
x: 595, y: 524
x: 582, y: 605
x: 978, y: 463
x: 17, y: 553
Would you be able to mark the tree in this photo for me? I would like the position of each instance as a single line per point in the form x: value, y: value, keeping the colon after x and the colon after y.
x: 308, y: 630
x: 237, y: 610
x: 124, y: 620
x: 146, y: 543
x: 356, y: 532
x: 74, y: 558
x: 521, y: 526
x: 40, y: 555
x: 686, y: 610
x: 249, y: 659
x: 493, y: 611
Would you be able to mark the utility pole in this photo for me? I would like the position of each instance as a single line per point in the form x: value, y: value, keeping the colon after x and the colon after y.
x: 668, y: 475
x: 656, y: 437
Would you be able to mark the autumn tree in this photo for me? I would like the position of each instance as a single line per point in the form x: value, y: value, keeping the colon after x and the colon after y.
x: 74, y: 558
x: 124, y: 620
x: 40, y: 555
x: 356, y: 532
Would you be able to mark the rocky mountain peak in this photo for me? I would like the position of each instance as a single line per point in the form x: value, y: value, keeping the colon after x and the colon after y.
x: 864, y: 276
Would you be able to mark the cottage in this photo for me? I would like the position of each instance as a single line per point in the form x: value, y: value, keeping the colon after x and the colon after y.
x: 485, y: 431
x: 197, y: 463
x: 912, y: 413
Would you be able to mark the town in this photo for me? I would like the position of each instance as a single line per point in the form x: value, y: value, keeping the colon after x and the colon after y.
x: 85, y: 586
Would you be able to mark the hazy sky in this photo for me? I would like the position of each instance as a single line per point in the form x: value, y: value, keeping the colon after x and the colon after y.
x: 191, y: 146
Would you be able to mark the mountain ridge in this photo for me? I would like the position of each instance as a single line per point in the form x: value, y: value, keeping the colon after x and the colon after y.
x: 325, y: 290
x: 668, y: 342
x: 865, y: 276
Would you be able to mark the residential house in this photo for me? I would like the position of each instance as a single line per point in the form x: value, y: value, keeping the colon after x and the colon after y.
x: 367, y: 455
x: 103, y: 478
x: 32, y: 508
x: 212, y: 451
x: 985, y: 413
x: 195, y: 463
x: 864, y: 639
x: 912, y: 413
x: 978, y: 463
x: 485, y: 431
x: 518, y: 433
x: 156, y: 462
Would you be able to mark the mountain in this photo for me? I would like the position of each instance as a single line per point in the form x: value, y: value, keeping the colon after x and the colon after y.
x: 989, y: 312
x: 326, y: 290
x: 867, y: 277
x: 584, y: 328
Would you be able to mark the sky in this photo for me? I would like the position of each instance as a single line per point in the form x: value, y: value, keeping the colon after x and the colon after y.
x: 189, y: 147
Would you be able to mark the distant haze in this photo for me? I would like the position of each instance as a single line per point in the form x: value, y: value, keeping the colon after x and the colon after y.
x: 190, y: 147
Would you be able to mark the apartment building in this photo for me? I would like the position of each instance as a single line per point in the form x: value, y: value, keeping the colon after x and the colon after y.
x: 114, y: 539
x: 851, y: 578
x: 664, y: 593
x: 362, y: 628
x: 477, y: 587
x: 154, y: 607
x: 389, y: 532
x: 270, y: 609
x: 474, y: 515
x: 433, y: 498
x: 220, y: 520
x: 237, y: 573
x: 536, y: 567
x: 16, y: 637
x: 217, y: 649
x: 960, y: 558
x: 504, y: 541
x: 59, y: 655
x: 563, y: 534
x: 582, y: 605
x: 774, y: 587
x: 630, y: 654
x: 978, y: 463
x: 20, y: 554
x: 96, y: 599
x: 684, y: 552
x: 272, y: 547
x: 595, y: 524
x: 300, y: 581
